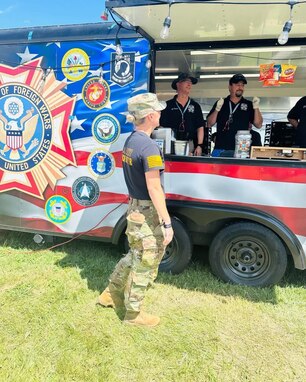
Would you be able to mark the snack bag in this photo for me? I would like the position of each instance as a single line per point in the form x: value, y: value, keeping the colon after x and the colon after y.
x: 266, y: 71
x: 287, y: 74
x: 275, y: 80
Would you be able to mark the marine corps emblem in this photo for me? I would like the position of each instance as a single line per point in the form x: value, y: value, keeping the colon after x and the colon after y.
x: 96, y: 93
x: 31, y: 152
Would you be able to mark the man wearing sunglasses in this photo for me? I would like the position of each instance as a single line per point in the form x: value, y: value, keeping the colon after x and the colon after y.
x: 232, y: 114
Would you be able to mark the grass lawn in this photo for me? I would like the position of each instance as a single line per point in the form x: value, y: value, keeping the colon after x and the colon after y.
x: 52, y: 330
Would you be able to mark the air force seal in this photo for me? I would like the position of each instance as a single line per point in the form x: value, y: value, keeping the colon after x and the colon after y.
x: 101, y: 163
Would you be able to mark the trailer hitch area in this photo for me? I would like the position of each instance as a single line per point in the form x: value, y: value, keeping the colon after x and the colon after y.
x: 39, y: 239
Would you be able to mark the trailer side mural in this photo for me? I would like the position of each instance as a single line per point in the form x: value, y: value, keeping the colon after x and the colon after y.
x: 62, y: 129
x: 63, y: 124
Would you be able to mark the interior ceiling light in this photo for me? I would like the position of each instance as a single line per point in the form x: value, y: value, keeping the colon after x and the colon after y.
x: 165, y: 77
x: 228, y: 75
x: 163, y: 70
x: 246, y: 50
x: 283, y: 37
x: 208, y: 76
x: 218, y: 68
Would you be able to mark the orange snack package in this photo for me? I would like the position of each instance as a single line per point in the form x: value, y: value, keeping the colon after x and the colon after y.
x: 275, y: 80
x: 287, y: 74
x: 266, y: 72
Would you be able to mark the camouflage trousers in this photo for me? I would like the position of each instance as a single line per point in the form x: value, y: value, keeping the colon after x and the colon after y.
x: 137, y: 270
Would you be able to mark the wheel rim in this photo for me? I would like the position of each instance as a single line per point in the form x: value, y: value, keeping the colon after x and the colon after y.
x: 247, y: 257
x: 170, y: 251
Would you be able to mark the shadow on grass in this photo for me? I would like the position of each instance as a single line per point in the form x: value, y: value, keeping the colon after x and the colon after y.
x: 97, y: 268
x: 96, y: 261
x: 198, y: 277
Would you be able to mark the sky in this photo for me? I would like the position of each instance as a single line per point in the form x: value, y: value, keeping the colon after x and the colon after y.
x: 29, y: 13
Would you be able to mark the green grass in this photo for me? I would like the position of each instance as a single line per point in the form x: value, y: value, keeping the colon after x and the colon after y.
x: 52, y: 330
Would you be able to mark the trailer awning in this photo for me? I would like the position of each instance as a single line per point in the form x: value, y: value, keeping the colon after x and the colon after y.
x: 200, y: 21
x: 215, y: 39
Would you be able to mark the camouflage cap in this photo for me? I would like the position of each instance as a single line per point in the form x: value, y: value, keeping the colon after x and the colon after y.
x: 143, y: 104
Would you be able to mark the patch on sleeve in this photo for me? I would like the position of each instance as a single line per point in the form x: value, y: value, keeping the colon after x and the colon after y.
x: 154, y: 161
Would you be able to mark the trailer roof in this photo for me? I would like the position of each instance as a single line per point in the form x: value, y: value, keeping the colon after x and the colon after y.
x: 64, y: 33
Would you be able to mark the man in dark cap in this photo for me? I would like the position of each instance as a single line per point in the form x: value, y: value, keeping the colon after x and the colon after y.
x: 184, y: 115
x: 233, y: 114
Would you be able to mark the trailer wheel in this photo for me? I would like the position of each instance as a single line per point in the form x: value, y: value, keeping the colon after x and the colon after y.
x: 178, y: 253
x: 249, y: 254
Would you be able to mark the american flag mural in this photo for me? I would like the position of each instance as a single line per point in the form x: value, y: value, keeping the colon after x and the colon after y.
x: 63, y: 109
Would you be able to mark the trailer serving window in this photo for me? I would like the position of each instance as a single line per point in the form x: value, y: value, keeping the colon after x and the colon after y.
x: 214, y: 67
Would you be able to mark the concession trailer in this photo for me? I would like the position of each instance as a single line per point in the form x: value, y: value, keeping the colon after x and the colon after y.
x: 63, y: 106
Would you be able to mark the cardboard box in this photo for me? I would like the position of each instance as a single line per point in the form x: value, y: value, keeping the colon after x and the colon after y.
x: 283, y: 153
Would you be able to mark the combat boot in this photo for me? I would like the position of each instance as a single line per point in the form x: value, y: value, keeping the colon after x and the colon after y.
x: 111, y: 298
x: 141, y: 319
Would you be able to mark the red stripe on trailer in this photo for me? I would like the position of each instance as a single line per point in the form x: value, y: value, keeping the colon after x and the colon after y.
x: 265, y: 173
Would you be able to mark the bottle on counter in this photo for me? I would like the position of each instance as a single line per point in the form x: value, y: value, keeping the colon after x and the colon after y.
x: 243, y: 140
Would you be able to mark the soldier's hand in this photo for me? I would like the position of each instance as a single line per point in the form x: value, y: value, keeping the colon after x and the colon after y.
x: 168, y: 236
x: 256, y: 102
x: 219, y: 105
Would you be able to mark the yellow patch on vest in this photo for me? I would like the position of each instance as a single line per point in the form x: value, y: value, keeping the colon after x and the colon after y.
x: 154, y: 161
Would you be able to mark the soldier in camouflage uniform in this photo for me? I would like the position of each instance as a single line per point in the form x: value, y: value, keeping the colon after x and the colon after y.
x: 149, y: 228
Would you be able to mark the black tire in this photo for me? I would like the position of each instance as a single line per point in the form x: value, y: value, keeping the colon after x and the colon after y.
x: 178, y: 252
x: 248, y: 254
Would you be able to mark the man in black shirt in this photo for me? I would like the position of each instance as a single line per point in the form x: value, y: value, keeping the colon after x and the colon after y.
x: 184, y: 115
x: 233, y: 114
x: 297, y: 118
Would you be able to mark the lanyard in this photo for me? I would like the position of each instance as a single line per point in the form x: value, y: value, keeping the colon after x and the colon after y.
x: 230, y: 118
x: 184, y: 110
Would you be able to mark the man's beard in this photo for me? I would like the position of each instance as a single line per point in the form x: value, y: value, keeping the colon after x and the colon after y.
x: 239, y: 93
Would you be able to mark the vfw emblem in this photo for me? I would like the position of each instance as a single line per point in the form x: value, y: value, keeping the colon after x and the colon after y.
x: 32, y: 152
x: 123, y: 68
x: 19, y: 126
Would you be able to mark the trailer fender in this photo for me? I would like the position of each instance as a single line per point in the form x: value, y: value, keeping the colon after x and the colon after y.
x: 201, y: 217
